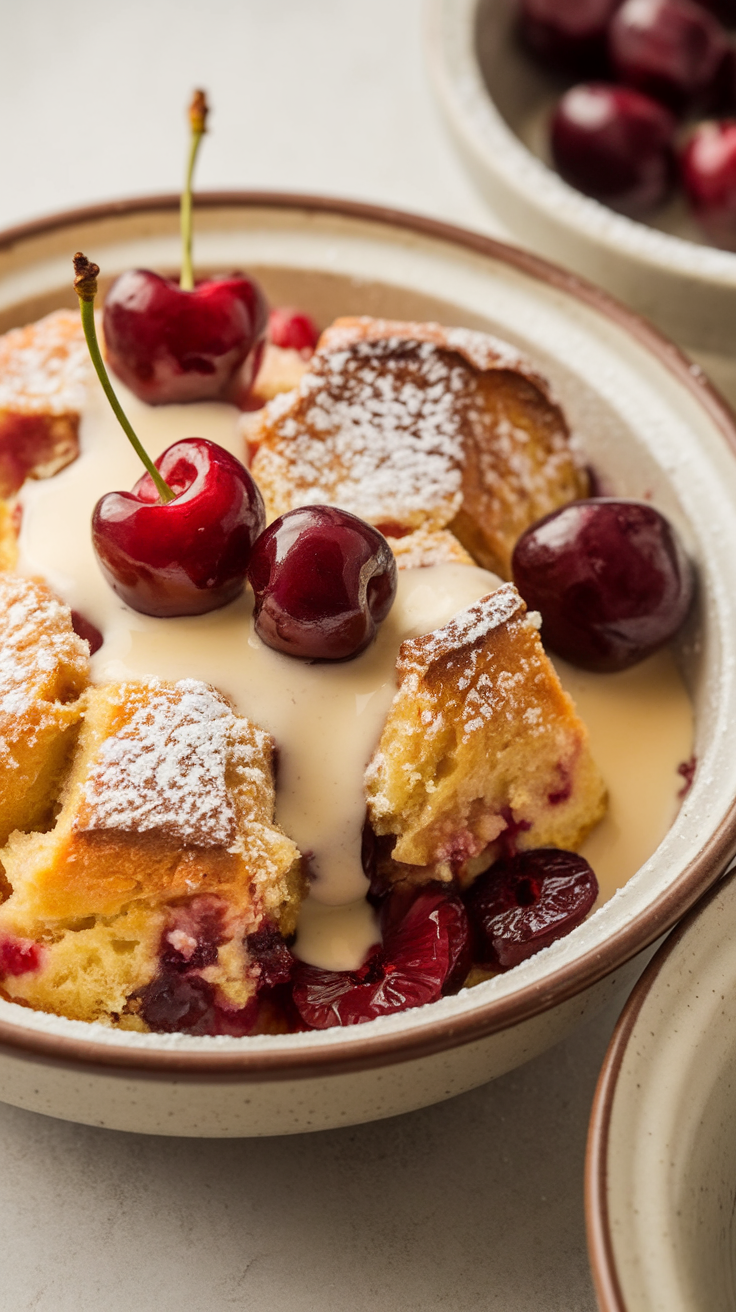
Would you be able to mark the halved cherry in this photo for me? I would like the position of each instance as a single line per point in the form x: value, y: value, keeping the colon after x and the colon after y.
x: 425, y: 948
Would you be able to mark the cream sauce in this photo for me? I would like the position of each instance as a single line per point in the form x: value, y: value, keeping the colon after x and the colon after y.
x: 326, y: 719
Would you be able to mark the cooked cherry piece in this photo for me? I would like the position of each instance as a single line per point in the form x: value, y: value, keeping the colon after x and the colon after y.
x: 524, y: 902
x: 185, y: 556
x: 708, y: 166
x: 424, y: 943
x: 276, y: 964
x: 323, y: 581
x: 88, y: 631
x: 670, y: 49
x: 614, y: 144
x: 568, y: 34
x: 169, y: 345
x: 610, y: 579
x: 19, y: 956
x: 175, y: 1003
x: 292, y: 329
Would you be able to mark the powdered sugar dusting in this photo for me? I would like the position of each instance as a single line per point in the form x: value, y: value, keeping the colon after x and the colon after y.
x: 375, y: 429
x: 45, y: 367
x: 168, y: 768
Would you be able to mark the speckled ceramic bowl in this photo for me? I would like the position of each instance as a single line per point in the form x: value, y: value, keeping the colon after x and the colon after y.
x: 661, y: 1174
x: 651, y: 422
x: 497, y: 101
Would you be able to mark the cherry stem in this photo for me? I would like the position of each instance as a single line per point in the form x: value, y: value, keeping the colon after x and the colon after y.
x: 85, y: 285
x: 198, y: 122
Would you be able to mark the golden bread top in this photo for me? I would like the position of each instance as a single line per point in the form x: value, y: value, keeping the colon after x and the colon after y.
x: 416, y: 425
x: 45, y: 367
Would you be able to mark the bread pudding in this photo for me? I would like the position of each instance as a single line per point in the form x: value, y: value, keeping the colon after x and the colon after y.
x: 156, y: 860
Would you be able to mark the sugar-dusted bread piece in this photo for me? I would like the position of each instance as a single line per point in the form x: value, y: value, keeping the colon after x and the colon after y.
x: 481, y: 748
x: 44, y: 670
x: 426, y: 547
x: 44, y: 371
x: 414, y: 425
x: 165, y: 850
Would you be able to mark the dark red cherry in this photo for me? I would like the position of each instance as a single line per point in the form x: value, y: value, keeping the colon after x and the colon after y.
x: 323, y: 581
x: 670, y: 49
x: 610, y: 579
x: 568, y: 34
x: 189, y: 555
x: 168, y: 345
x: 708, y: 167
x: 423, y: 945
x: 292, y: 329
x: 524, y: 902
x: 267, y: 947
x: 614, y: 144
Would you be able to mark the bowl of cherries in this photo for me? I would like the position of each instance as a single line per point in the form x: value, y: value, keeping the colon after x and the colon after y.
x: 604, y: 133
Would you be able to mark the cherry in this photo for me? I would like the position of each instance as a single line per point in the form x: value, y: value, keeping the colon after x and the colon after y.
x: 292, y: 329
x: 179, y: 543
x: 423, y: 945
x: 185, y: 342
x: 188, y: 555
x: 19, y: 956
x: 323, y: 581
x: 175, y: 1003
x: 610, y: 578
x: 169, y: 344
x: 568, y: 34
x: 671, y: 49
x: 524, y: 902
x: 708, y: 166
x: 267, y: 947
x: 614, y: 144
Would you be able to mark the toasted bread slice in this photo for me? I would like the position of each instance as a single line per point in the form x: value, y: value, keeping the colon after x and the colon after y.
x: 419, y: 426
x: 482, y: 748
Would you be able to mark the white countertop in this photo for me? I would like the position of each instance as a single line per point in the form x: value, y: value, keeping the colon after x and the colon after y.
x: 472, y: 1205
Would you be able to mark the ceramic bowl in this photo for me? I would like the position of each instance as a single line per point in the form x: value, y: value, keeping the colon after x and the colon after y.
x: 654, y: 425
x: 661, y: 1173
x: 496, y: 100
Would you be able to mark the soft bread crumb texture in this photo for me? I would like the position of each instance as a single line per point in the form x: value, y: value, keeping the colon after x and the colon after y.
x: 481, y: 741
x: 170, y: 800
x: 419, y: 426
x: 44, y: 373
x: 44, y: 670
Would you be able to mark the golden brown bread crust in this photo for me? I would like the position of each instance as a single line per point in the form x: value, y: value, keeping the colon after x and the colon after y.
x: 169, y: 805
x: 481, y: 746
x: 44, y: 670
x: 419, y: 426
x: 44, y: 369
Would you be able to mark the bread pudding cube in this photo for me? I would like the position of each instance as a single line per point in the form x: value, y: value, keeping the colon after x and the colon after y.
x: 163, y: 862
x: 482, y: 751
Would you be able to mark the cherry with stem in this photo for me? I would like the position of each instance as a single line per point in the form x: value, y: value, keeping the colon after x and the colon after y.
x: 180, y: 542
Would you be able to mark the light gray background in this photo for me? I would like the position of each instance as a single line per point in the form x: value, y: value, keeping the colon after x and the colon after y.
x: 473, y: 1205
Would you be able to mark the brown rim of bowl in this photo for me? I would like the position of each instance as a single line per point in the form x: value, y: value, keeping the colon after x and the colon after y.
x: 597, y: 1219
x: 361, y: 1053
